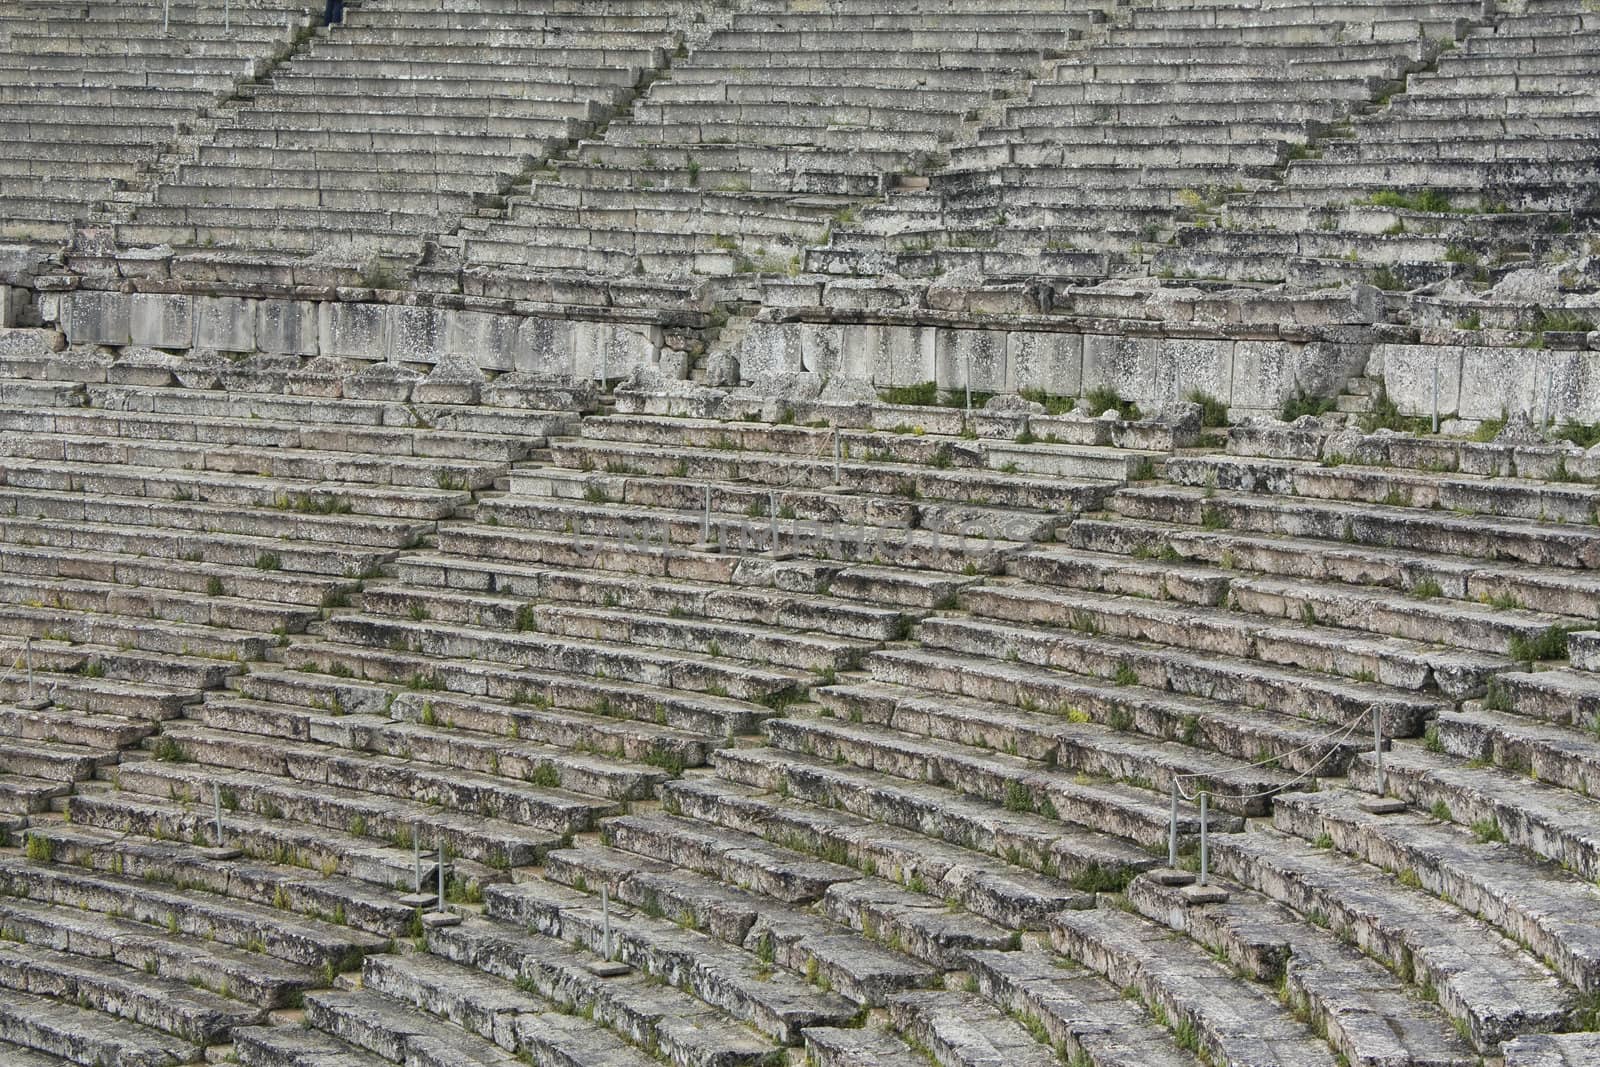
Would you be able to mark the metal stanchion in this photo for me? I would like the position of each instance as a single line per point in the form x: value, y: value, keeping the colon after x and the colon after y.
x: 1436, y: 392
x: 35, y: 702
x: 1205, y: 844
x: 1172, y: 830
x: 605, y: 920
x: 227, y: 15
x: 1377, y: 747
x: 416, y: 898
x: 166, y: 16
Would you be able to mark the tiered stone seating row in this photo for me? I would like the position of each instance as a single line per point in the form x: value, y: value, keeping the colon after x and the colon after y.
x: 1481, y: 162
x: 93, y: 94
x: 1151, y: 126
x: 851, y: 740
x: 747, y: 151
x: 393, y: 125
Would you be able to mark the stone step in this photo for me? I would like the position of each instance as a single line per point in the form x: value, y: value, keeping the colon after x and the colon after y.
x: 1475, y: 627
x: 602, y: 526
x: 296, y: 1046
x: 347, y: 902
x: 791, y: 608
x: 191, y: 914
x: 1085, y: 1017
x: 226, y: 737
x: 1492, y: 987
x: 395, y: 1032
x: 267, y: 553
x: 731, y: 856
x: 835, y: 1046
x: 164, y: 1004
x: 180, y: 638
x: 901, y: 800
x: 246, y: 977
x: 1366, y: 1012
x: 634, y: 472
x: 1209, y: 1009
x: 829, y: 955
x: 1552, y: 754
x: 1551, y: 1050
x: 494, y: 1010
x: 1405, y: 651
x: 1353, y: 564
x: 1079, y: 747
x: 774, y: 1003
x: 1380, y: 525
x: 702, y: 672
x: 1241, y: 733
x: 75, y: 453
x: 249, y: 583
x: 1543, y: 909
x: 1119, y: 575
x: 1546, y: 820
x: 102, y: 696
x: 960, y: 1029
x: 655, y: 1016
x: 1335, y: 702
x: 994, y: 879
x: 657, y: 746
x: 240, y: 489
x: 623, y: 699
x: 813, y: 651
x: 363, y: 815
x: 1131, y: 810
x: 22, y: 794
x: 285, y: 524
x: 392, y: 865
x: 1562, y: 696
x: 53, y: 761
x: 80, y: 1035
x: 393, y: 773
x: 103, y: 732
x: 218, y: 611
x: 1351, y: 481
x: 917, y: 924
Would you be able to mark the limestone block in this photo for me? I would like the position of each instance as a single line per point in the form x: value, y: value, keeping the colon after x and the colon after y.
x: 769, y: 348
x: 980, y: 352
x: 416, y: 334
x: 490, y: 340
x: 613, y: 350
x: 96, y: 318
x: 544, y: 348
x: 454, y: 380
x: 358, y: 331
x: 1127, y: 364
x: 323, y: 376
x: 225, y: 324
x: 822, y: 349
x: 1408, y: 377
x: 891, y: 355
x: 381, y: 381
x: 1263, y: 374
x: 161, y: 320
x: 288, y: 327
x: 1049, y: 361
x: 1190, y: 363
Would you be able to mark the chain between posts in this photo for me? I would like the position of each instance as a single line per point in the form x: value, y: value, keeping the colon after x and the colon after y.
x: 1202, y: 796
